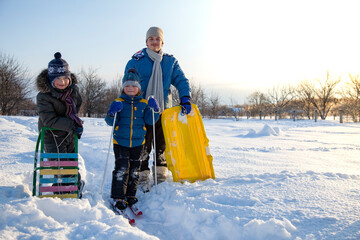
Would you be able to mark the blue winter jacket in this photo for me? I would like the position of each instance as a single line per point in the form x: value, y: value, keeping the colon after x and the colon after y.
x: 171, y: 71
x: 130, y: 121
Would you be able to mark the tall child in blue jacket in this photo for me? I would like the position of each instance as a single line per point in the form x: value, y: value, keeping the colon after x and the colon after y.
x: 158, y: 71
x: 132, y: 113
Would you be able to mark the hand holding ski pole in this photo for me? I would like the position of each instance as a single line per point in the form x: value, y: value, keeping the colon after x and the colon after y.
x: 114, y: 108
x: 153, y: 104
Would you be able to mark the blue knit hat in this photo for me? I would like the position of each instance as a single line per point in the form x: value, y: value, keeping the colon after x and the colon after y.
x: 58, y: 67
x: 131, y: 78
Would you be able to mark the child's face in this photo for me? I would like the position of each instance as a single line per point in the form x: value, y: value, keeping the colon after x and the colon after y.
x: 62, y: 82
x: 131, y: 90
x: 154, y: 43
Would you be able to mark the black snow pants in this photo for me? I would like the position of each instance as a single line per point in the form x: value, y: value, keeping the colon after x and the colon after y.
x: 160, y: 146
x: 125, y: 176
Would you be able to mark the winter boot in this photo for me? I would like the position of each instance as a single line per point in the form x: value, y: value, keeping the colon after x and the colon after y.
x: 132, y: 200
x: 120, y: 204
x: 81, y: 187
x: 144, y: 181
x: 161, y: 173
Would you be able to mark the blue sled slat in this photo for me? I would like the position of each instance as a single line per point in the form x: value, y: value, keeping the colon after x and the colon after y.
x: 58, y: 180
x: 59, y: 155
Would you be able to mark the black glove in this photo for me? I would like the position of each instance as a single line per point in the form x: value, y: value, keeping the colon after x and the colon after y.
x: 78, y: 131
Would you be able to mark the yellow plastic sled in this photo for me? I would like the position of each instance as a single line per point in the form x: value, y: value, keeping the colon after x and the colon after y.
x: 187, y: 147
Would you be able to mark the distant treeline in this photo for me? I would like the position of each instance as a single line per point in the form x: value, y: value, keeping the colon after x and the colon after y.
x: 325, y: 96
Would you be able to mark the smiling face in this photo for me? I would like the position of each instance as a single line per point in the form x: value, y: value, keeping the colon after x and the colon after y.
x: 131, y: 90
x: 61, y: 82
x: 154, y: 43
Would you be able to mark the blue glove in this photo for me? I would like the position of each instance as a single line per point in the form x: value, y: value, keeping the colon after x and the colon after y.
x: 78, y: 131
x: 153, y: 103
x: 186, y: 105
x: 114, y: 108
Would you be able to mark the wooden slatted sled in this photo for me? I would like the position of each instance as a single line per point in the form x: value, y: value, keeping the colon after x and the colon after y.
x: 187, y: 147
x: 54, y: 177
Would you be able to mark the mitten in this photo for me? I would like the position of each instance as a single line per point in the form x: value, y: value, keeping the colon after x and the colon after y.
x: 114, y: 108
x: 153, y: 103
x: 78, y: 131
x: 186, y: 105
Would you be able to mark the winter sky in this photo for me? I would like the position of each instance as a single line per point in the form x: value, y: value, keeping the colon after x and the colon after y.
x: 231, y: 48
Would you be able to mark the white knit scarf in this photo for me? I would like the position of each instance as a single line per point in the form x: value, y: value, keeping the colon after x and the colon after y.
x: 155, y: 86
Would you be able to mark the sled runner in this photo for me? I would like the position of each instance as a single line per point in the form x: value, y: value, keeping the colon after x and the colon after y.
x: 53, y: 177
x: 187, y: 147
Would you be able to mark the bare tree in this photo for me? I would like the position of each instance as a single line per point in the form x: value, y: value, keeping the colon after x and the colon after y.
x: 280, y: 96
x: 258, y: 102
x: 113, y: 91
x: 351, y: 98
x: 236, y: 110
x: 14, y: 85
x: 214, y: 105
x: 93, y: 91
x: 174, y: 98
x: 198, y: 97
x: 306, y: 95
x: 325, y: 97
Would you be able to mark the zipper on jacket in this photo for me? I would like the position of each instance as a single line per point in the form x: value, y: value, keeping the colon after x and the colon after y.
x: 131, y: 124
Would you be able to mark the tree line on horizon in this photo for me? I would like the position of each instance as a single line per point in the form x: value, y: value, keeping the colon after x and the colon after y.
x: 325, y: 96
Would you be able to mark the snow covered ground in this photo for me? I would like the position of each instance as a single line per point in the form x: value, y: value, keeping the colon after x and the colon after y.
x: 274, y: 180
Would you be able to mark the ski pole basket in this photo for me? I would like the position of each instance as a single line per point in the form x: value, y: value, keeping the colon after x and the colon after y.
x: 54, y: 177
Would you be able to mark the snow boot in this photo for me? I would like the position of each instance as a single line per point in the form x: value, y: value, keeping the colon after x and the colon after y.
x: 144, y: 181
x: 120, y: 204
x: 81, y: 187
x: 132, y: 200
x: 161, y: 173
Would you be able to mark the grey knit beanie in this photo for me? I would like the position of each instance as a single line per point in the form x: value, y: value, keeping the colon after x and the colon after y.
x: 155, y: 31
x: 131, y: 78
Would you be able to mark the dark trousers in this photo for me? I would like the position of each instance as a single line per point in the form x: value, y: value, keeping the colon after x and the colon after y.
x: 125, y: 176
x: 160, y: 146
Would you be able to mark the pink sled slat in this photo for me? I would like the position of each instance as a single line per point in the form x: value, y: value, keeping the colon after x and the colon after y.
x: 58, y: 163
x: 58, y: 189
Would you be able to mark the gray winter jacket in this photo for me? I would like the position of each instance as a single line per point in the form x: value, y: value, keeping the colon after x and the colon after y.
x: 52, y: 111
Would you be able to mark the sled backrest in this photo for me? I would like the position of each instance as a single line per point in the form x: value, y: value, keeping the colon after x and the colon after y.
x: 55, y: 174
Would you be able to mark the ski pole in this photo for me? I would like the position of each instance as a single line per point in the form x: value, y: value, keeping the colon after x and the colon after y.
x: 107, y: 158
x: 154, y: 144
x: 154, y: 140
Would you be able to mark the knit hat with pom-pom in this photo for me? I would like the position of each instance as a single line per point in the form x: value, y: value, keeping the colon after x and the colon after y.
x: 131, y: 78
x: 58, y: 67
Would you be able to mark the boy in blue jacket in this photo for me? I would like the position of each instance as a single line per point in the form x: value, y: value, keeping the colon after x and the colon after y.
x: 158, y: 71
x: 132, y: 113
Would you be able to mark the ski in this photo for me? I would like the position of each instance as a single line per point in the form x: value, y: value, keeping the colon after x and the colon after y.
x: 135, y: 210
x: 123, y: 213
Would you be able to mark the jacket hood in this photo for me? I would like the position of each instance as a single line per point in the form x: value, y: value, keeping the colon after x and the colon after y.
x: 42, y: 81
